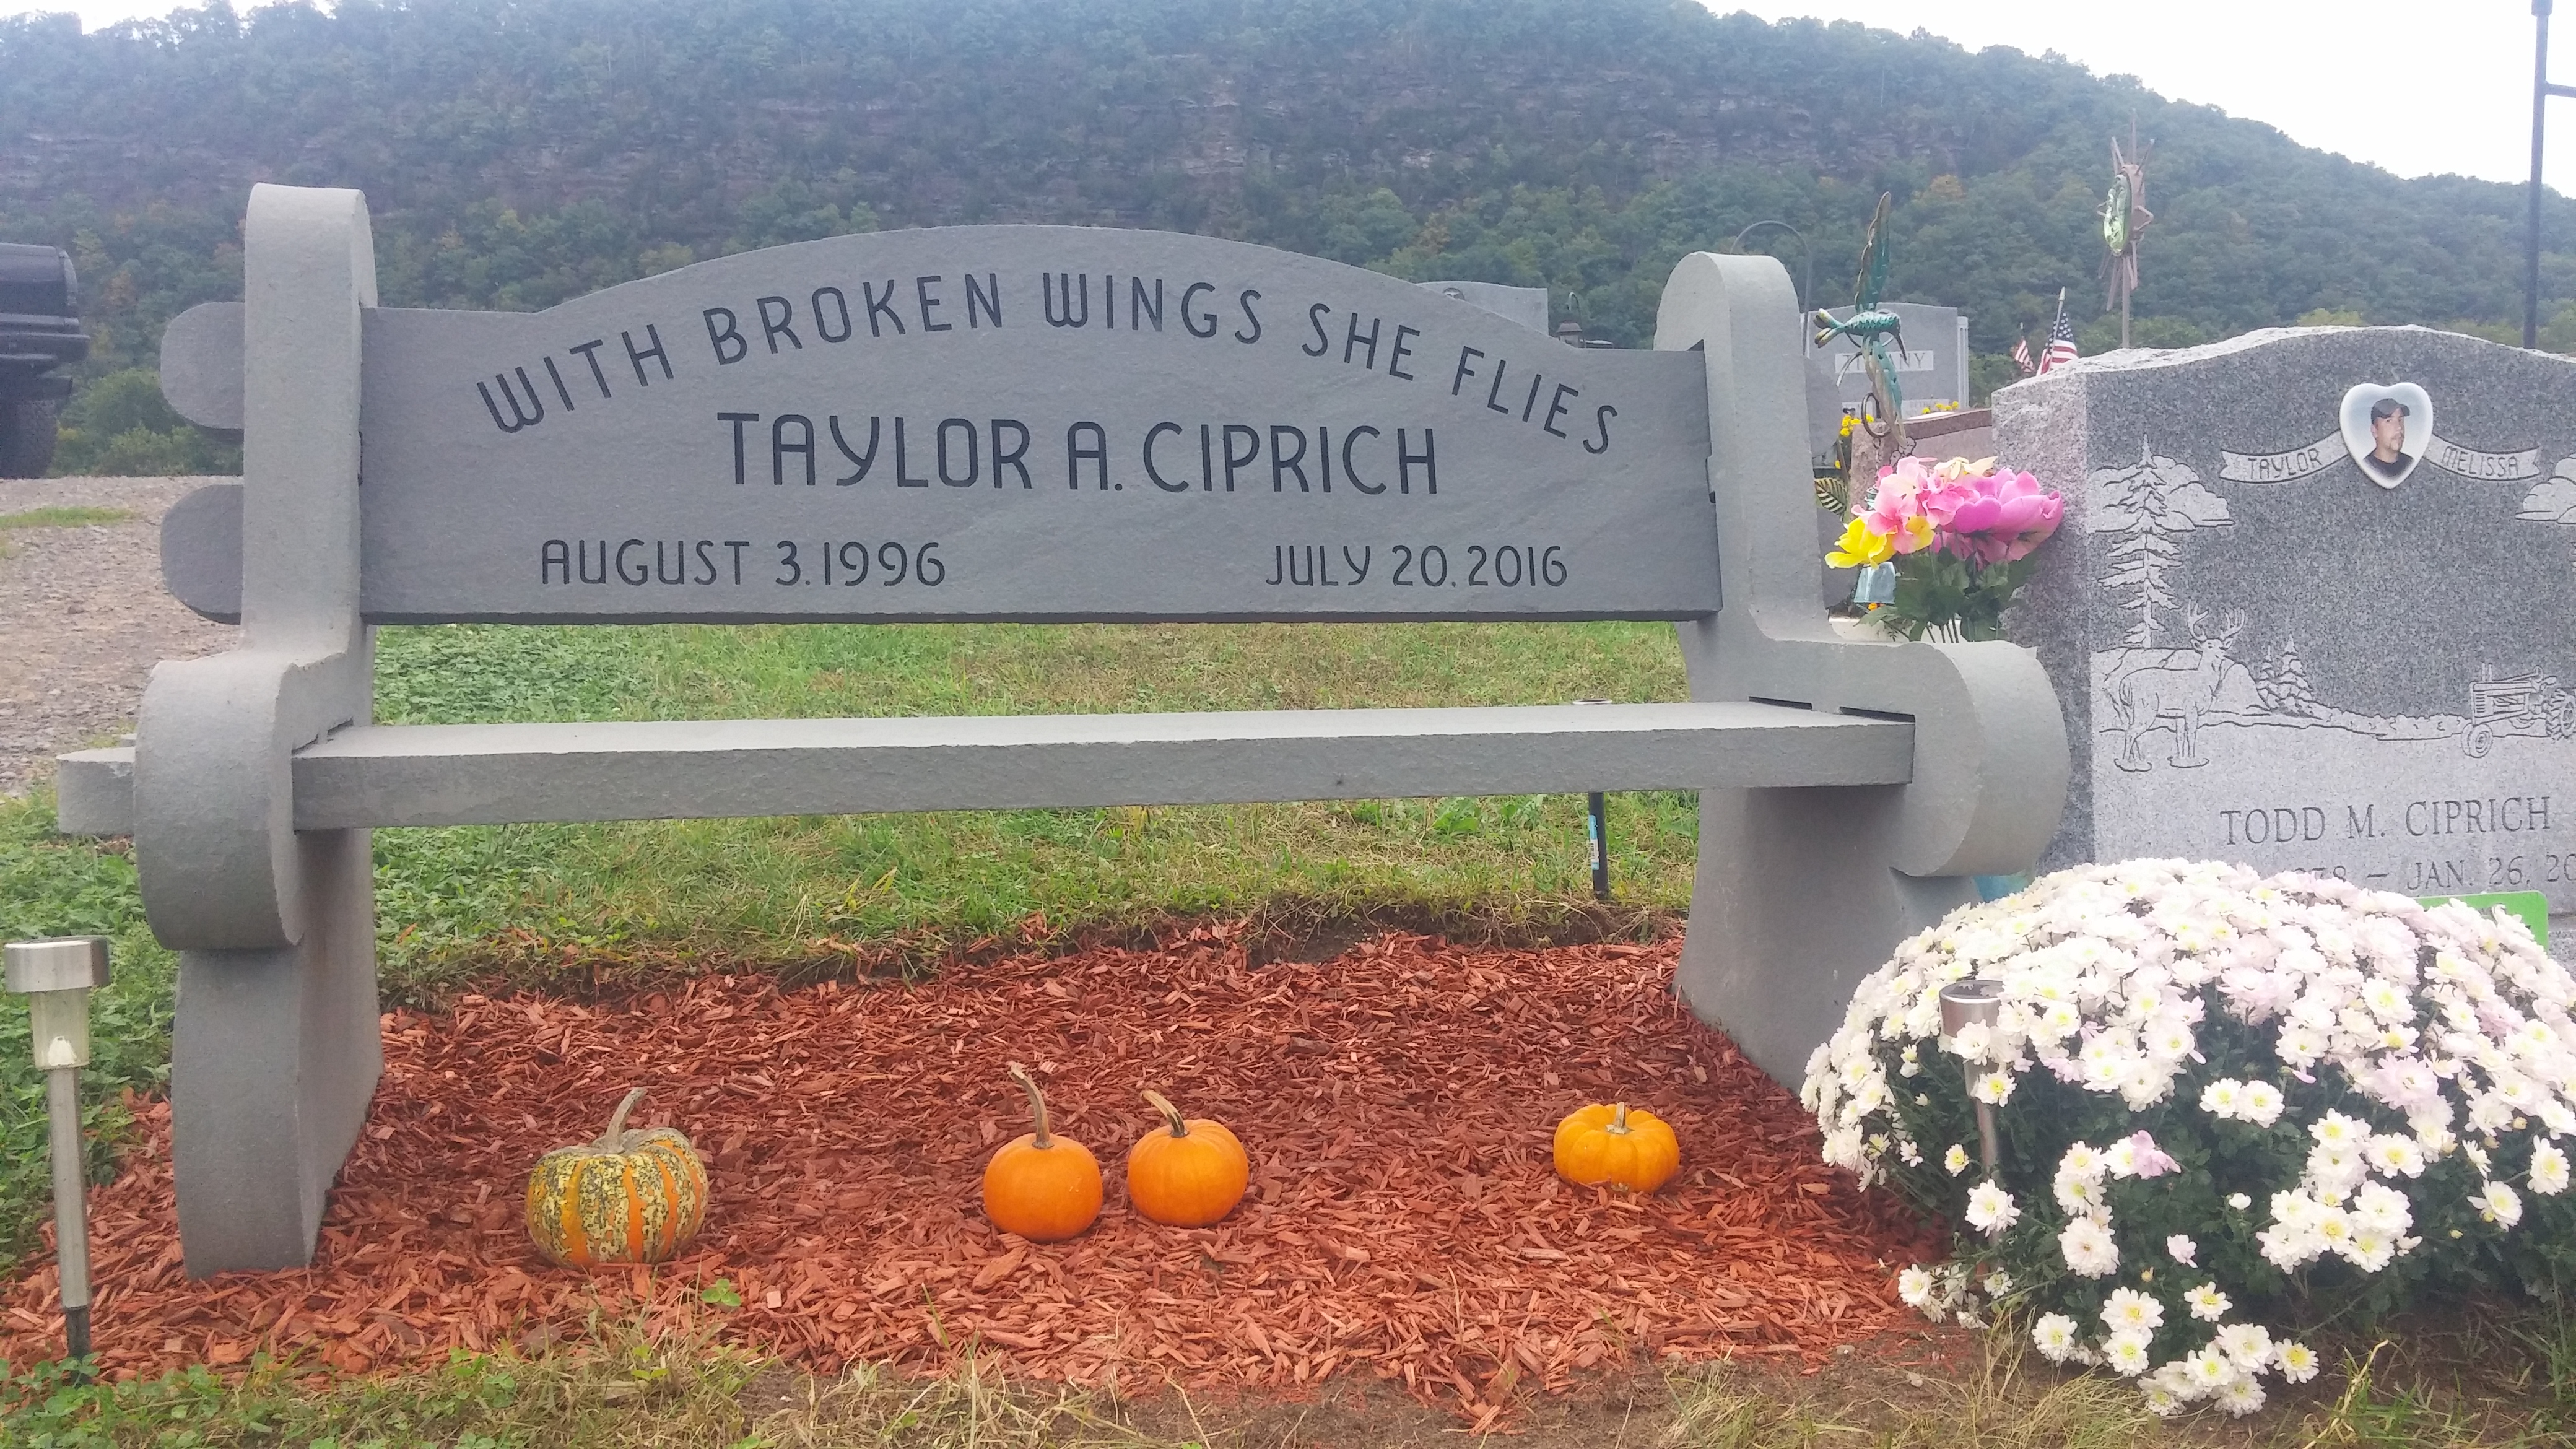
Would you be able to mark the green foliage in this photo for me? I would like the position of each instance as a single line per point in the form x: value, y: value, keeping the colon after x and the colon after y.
x: 54, y: 887
x: 1932, y: 586
x: 120, y: 426
x: 519, y: 152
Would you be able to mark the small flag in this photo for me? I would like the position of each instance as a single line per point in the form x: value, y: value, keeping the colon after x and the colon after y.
x: 2021, y: 356
x: 2061, y: 338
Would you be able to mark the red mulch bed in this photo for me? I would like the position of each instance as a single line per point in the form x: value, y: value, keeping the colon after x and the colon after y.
x: 1397, y: 1101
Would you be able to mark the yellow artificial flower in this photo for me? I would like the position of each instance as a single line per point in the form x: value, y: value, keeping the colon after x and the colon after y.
x: 1860, y: 548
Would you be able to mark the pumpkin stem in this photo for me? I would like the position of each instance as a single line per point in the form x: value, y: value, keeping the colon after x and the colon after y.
x: 1171, y: 1114
x: 617, y: 1120
x: 1037, y: 1107
x: 1618, y: 1119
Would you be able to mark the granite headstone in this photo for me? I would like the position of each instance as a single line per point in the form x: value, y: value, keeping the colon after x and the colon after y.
x: 2310, y: 605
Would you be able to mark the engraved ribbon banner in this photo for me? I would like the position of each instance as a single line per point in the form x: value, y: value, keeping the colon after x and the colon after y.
x: 2316, y: 457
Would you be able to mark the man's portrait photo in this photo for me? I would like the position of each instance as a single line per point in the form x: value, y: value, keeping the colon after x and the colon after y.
x: 2386, y: 429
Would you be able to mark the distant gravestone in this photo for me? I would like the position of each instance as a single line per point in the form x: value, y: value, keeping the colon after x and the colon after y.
x: 1931, y: 370
x: 1525, y: 305
x: 2310, y: 606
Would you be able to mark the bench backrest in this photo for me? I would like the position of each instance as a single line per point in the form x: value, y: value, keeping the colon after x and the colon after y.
x: 1000, y: 422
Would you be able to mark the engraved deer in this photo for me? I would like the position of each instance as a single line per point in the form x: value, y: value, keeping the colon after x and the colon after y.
x: 2182, y: 688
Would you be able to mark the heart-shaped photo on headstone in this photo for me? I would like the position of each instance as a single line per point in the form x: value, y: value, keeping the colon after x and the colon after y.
x: 2386, y: 429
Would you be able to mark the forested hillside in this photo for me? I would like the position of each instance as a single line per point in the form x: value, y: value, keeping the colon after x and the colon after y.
x: 519, y: 151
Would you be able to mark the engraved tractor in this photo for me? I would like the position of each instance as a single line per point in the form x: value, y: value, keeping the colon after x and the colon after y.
x: 2155, y: 685
x: 2527, y: 704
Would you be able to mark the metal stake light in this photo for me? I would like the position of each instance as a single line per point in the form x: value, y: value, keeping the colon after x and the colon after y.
x: 57, y: 977
x: 1963, y: 1002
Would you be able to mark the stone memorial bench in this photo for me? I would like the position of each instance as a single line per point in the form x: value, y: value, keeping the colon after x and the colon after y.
x: 1035, y: 424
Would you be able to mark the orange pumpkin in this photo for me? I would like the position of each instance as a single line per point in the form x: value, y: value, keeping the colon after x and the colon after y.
x: 1186, y: 1174
x: 630, y: 1197
x: 1043, y: 1187
x: 1634, y: 1150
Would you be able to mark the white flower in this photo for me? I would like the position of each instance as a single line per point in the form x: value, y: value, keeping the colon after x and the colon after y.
x: 2370, y: 1251
x: 2499, y: 1204
x: 1914, y: 1285
x: 2079, y: 1196
x: 1998, y: 1282
x: 2126, y: 1353
x: 1991, y: 1209
x: 2128, y: 1310
x: 2548, y: 1169
x: 2247, y: 1345
x: 2088, y: 1249
x: 1975, y: 1042
x: 2378, y: 1208
x: 2240, y: 1396
x: 2223, y: 1098
x: 2182, y: 1249
x: 2334, y: 1129
x: 1956, y: 1159
x: 2239, y: 1201
x: 2263, y: 1104
x: 2054, y: 1333
x: 1993, y: 1087
x: 2394, y: 1155
x: 2206, y: 1303
x: 2082, y: 1161
x: 2300, y: 1046
x: 2209, y: 1369
x: 2298, y: 1361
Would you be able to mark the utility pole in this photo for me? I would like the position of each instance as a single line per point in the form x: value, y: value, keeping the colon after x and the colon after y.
x: 2541, y: 91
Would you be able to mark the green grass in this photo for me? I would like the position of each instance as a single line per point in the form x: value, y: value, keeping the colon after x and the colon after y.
x: 802, y: 890
x: 618, y: 1386
x: 54, y: 517
x: 55, y: 887
x: 60, y: 516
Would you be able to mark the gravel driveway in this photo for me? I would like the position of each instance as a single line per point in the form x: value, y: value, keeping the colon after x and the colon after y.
x: 83, y: 618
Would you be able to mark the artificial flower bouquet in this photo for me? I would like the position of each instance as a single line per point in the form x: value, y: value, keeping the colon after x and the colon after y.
x: 2229, y: 1106
x: 1960, y: 536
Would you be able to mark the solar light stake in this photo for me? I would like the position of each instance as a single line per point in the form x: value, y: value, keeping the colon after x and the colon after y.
x: 1963, y: 1002
x: 57, y: 977
x: 1599, y: 823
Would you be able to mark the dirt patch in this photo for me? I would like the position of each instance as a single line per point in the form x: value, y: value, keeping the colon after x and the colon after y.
x: 83, y: 618
x: 1404, y: 1224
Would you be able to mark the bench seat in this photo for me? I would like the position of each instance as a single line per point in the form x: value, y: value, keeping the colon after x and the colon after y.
x: 495, y: 774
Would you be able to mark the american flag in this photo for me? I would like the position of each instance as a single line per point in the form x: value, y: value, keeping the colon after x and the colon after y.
x: 2061, y: 339
x: 2021, y: 356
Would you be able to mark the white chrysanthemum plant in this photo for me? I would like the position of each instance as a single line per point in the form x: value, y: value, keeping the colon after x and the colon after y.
x: 2229, y: 1105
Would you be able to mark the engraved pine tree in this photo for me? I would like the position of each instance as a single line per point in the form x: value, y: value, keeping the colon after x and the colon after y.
x: 2285, y: 688
x: 2147, y: 507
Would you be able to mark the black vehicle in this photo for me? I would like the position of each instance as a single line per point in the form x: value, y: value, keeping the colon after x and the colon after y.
x: 39, y: 333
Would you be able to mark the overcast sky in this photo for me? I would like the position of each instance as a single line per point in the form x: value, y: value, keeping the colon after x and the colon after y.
x: 2416, y: 86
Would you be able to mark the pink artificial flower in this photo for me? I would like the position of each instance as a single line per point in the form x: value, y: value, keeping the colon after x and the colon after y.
x: 1896, y: 511
x: 1977, y: 513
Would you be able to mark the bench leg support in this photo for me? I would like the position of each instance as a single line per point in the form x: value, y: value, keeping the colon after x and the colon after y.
x: 273, y: 1061
x: 1793, y: 905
